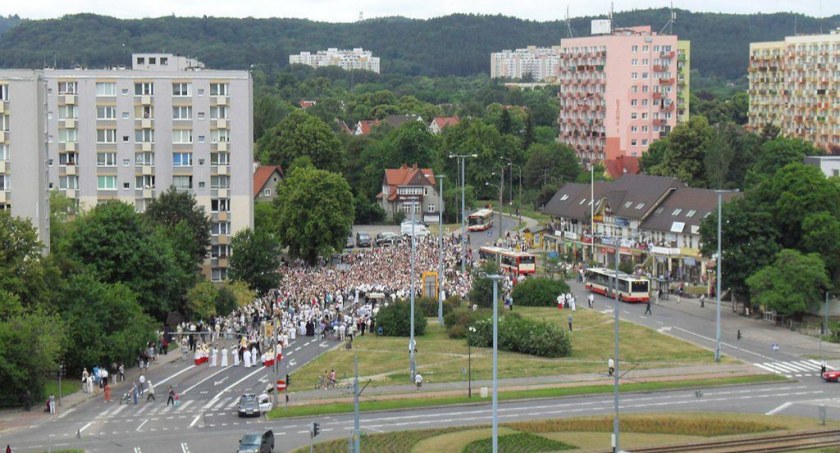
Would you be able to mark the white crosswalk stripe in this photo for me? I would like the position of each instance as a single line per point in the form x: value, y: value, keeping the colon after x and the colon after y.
x: 221, y: 403
x: 232, y: 403
x: 801, y: 368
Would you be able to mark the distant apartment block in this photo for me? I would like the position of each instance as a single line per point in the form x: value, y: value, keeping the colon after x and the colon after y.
x: 621, y: 91
x: 357, y: 58
x: 536, y: 63
x: 23, y: 149
x: 794, y: 85
x: 128, y: 135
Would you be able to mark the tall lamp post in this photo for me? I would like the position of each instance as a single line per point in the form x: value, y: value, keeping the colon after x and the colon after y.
x: 518, y: 168
x: 718, y: 275
x: 469, y: 365
x: 412, y: 369
x: 462, y: 159
x: 440, y: 255
x: 495, y: 279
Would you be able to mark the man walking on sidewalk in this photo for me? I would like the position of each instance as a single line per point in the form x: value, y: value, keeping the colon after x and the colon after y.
x: 150, y: 389
x: 647, y: 310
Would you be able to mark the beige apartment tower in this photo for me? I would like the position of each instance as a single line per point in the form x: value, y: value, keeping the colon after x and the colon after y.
x: 129, y: 134
x: 23, y: 152
x: 794, y: 85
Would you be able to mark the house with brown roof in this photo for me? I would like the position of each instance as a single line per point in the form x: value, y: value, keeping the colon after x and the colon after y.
x: 364, y: 127
x: 622, y: 165
x: 266, y: 179
x: 407, y: 188
x: 440, y: 122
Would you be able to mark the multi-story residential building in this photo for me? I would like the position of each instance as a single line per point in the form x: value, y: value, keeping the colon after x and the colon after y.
x: 830, y: 165
x: 794, y: 85
x: 621, y: 91
x: 23, y: 151
x: 407, y: 188
x: 357, y: 58
x: 129, y: 135
x: 535, y: 63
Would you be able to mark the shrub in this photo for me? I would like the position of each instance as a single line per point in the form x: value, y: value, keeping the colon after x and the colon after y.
x: 395, y: 319
x: 458, y: 321
x: 518, y: 442
x: 526, y: 336
x: 481, y: 293
x: 429, y: 306
x: 538, y: 292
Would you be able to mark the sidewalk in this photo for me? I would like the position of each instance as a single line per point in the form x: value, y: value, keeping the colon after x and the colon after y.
x: 12, y: 419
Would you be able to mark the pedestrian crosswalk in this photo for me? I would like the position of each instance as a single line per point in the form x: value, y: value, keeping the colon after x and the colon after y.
x: 792, y: 369
x: 150, y: 410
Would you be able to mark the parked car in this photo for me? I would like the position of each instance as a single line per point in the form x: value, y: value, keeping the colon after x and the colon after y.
x: 387, y: 238
x: 349, y: 244
x: 257, y: 443
x: 363, y: 239
x: 831, y: 376
x: 253, y: 406
x: 420, y: 231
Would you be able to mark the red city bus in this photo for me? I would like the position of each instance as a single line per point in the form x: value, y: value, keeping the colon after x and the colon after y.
x: 517, y: 263
x: 630, y: 288
x: 480, y: 220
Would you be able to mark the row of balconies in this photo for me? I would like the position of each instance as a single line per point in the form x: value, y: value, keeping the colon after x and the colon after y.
x: 140, y: 170
x: 72, y: 99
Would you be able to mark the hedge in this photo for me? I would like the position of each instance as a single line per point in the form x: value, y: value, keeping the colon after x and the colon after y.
x: 429, y: 306
x: 395, y: 319
x: 526, y: 336
x: 538, y: 292
x: 458, y: 321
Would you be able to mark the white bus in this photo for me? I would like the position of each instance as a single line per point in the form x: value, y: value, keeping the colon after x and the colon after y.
x: 630, y: 288
x: 480, y: 220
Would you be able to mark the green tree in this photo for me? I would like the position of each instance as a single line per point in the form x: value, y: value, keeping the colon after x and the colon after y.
x: 265, y: 217
x: 821, y: 235
x: 22, y: 273
x: 242, y: 294
x: 172, y: 208
x: 410, y: 144
x: 776, y: 154
x: 395, y: 319
x: 717, y: 157
x: 201, y: 300
x: 791, y: 284
x: 550, y: 162
x: 62, y: 211
x: 315, y: 212
x: 683, y: 157
x: 481, y: 292
x: 255, y: 260
x: 301, y: 134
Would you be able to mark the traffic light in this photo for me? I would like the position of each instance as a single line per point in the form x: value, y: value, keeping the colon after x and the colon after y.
x: 288, y: 380
x: 316, y: 429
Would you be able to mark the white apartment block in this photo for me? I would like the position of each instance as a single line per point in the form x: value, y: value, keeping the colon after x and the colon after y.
x: 128, y: 135
x: 357, y: 58
x: 23, y: 151
x: 539, y: 63
x: 794, y: 85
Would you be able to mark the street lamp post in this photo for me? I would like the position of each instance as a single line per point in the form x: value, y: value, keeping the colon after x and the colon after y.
x: 616, y: 443
x: 519, y: 169
x: 462, y: 160
x: 495, y: 279
x: 440, y: 253
x: 411, y: 365
x: 469, y: 364
x: 501, y: 201
x: 718, y: 276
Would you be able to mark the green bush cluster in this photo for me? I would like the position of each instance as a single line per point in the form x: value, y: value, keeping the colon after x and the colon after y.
x: 458, y: 321
x: 538, y: 292
x: 518, y: 442
x: 395, y: 319
x: 429, y: 306
x: 526, y: 336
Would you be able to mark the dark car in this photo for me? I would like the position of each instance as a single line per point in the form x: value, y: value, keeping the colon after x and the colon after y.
x: 248, y: 406
x: 387, y: 238
x: 257, y: 443
x: 363, y: 239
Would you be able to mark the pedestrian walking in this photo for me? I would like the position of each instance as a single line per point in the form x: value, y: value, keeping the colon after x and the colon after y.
x: 647, y: 309
x: 122, y: 372
x: 570, y: 323
x: 107, y: 393
x: 590, y: 299
x: 611, y: 366
x: 224, y: 357
x: 8, y: 448
x: 702, y: 300
x: 134, y: 391
x: 142, y: 380
x: 52, y: 403
x: 214, y: 355
x: 418, y: 381
x: 171, y: 397
x: 150, y: 389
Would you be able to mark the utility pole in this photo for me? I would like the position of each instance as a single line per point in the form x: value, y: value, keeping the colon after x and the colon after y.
x: 440, y: 253
x: 616, y: 443
x: 276, y: 364
x: 357, y: 432
x: 411, y: 365
x: 495, y: 279
x: 462, y: 160
x: 501, y: 201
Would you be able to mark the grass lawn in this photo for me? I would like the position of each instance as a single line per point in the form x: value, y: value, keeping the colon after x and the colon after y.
x: 441, y: 359
x: 68, y: 386
x: 587, y: 433
x: 448, y: 228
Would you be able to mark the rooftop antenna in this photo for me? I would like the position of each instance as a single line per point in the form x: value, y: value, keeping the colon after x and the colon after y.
x: 670, y: 24
x: 569, y: 23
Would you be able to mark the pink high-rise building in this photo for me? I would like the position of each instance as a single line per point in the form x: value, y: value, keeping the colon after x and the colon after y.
x: 621, y: 91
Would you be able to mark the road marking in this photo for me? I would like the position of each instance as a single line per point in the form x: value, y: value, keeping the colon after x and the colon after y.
x: 663, y: 329
x: 195, y: 420
x: 215, y: 383
x: 176, y: 374
x: 145, y: 406
x: 297, y: 348
x: 184, y: 406
x: 780, y: 408
x: 184, y: 448
x: 63, y: 414
x: 141, y: 424
x: 83, y: 428
x: 202, y: 381
x: 216, y: 398
x: 137, y: 450
x: 723, y: 344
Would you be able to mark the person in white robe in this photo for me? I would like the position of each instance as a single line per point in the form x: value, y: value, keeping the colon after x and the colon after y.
x: 224, y: 357
x: 236, y: 357
x: 214, y: 356
x: 254, y: 357
x: 246, y: 359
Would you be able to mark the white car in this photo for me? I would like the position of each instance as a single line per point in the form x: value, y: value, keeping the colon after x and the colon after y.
x: 420, y: 231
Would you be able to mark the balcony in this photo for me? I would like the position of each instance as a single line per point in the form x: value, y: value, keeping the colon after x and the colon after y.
x: 666, y: 81
x: 220, y: 100
x: 146, y: 146
x: 2, y: 106
x: 3, y: 136
x: 69, y: 146
x: 146, y: 123
x: 146, y: 100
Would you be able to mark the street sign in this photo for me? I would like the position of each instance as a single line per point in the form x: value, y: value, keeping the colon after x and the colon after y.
x: 775, y: 347
x: 281, y: 385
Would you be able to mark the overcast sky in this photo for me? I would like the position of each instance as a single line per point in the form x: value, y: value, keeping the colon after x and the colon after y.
x: 348, y: 11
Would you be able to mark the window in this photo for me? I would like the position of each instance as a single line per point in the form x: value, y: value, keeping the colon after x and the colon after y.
x: 635, y: 62
x: 164, y: 61
x: 106, y: 112
x: 106, y: 159
x: 431, y: 208
x: 218, y: 274
x: 145, y: 182
x: 145, y: 111
x: 645, y: 48
x: 68, y: 182
x: 182, y: 136
x: 67, y: 88
x: 141, y: 60
x: 106, y: 136
x: 68, y: 112
x: 644, y: 102
x: 68, y: 135
x: 181, y: 159
x: 633, y: 115
x: 201, y: 139
x: 4, y: 92
x: 634, y: 75
x: 634, y: 49
x: 68, y: 158
x: 266, y: 192
x: 182, y: 183
x: 220, y: 182
x: 634, y: 102
x: 152, y: 60
x: 144, y: 135
x: 4, y: 122
x: 691, y: 213
x: 644, y: 75
x: 219, y: 205
x: 218, y: 89
x: 125, y: 115
x: 4, y: 151
x: 182, y: 113
x: 147, y: 158
x: 126, y: 185
x: 220, y: 112
x: 125, y: 91
x: 219, y: 135
x: 219, y: 251
x: 125, y: 138
x: 106, y: 89
x: 676, y: 212
x: 564, y: 197
x: 220, y: 228
x: 644, y: 142
x: 633, y: 142
x: 106, y: 182
x: 181, y: 89
x: 144, y: 89
x: 219, y: 158
x: 5, y: 182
